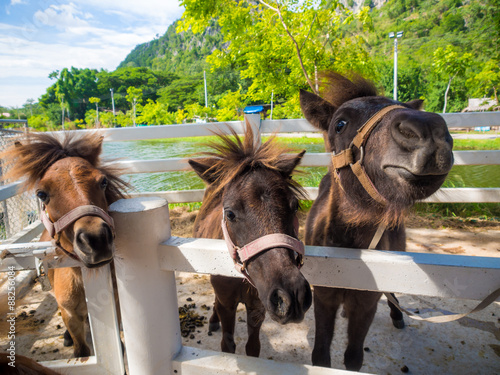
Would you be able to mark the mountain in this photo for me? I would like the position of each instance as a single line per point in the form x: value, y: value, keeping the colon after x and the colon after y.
x: 467, y: 25
x: 180, y: 53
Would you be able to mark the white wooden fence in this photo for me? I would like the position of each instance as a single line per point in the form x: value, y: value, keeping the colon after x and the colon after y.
x: 147, y: 257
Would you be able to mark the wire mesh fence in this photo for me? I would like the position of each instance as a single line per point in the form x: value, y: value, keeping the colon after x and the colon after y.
x: 18, y: 212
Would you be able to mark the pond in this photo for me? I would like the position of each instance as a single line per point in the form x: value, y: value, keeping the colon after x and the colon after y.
x: 460, y: 176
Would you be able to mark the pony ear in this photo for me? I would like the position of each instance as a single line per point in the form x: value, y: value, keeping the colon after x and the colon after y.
x: 415, y: 104
x: 316, y: 110
x: 287, y: 163
x: 202, y: 169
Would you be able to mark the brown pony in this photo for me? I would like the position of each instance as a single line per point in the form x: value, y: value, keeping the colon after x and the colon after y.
x: 23, y: 366
x: 67, y: 174
x: 253, y: 186
x: 401, y: 155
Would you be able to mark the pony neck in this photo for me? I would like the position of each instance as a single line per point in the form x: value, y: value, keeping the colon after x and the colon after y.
x: 353, y: 212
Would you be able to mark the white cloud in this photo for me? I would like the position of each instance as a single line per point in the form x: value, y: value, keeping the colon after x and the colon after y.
x: 155, y: 11
x: 81, y: 33
x: 61, y: 16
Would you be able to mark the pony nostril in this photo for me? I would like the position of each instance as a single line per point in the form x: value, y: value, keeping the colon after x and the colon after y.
x: 408, y: 131
x: 81, y: 240
x: 108, y: 234
x: 280, y: 303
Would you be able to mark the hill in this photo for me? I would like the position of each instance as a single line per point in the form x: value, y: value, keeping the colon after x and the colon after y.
x: 469, y: 26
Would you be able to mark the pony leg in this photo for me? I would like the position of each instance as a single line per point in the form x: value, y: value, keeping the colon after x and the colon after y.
x: 396, y: 315
x: 214, y: 321
x: 76, y: 328
x: 360, y: 307
x: 256, y: 313
x: 227, y: 315
x: 326, y: 304
x: 68, y: 340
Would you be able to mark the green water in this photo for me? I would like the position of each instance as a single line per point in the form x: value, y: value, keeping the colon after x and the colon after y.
x: 460, y: 176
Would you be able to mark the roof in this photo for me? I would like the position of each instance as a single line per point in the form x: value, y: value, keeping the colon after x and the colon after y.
x: 253, y: 109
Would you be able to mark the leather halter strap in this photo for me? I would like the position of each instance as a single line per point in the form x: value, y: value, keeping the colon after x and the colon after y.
x: 345, y: 158
x: 241, y: 255
x: 72, y: 216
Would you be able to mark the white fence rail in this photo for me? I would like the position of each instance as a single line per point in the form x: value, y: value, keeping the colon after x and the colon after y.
x: 148, y: 257
x: 454, y: 120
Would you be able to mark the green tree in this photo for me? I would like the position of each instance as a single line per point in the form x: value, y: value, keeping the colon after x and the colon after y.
x: 278, y: 45
x: 486, y: 82
x: 231, y: 106
x: 450, y: 64
x: 96, y: 101
x: 72, y: 89
x: 155, y: 113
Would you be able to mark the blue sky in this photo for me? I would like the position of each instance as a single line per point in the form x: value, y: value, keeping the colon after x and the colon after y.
x: 40, y: 36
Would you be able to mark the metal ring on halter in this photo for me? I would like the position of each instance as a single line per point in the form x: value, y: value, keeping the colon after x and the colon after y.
x: 362, y: 154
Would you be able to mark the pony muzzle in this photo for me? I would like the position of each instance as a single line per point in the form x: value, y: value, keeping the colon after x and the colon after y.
x: 93, y: 241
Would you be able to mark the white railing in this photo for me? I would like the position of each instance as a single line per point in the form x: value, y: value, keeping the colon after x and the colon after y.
x: 146, y: 282
x: 444, y: 195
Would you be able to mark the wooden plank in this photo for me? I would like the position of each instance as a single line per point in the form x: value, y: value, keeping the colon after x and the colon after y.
x: 309, y: 160
x: 287, y: 126
x: 75, y: 366
x: 193, y: 361
x: 27, y: 234
x: 103, y: 319
x: 443, y: 195
x: 483, y: 157
x: 447, y: 276
x: 162, y: 131
x: 153, y: 165
x: 471, y: 119
x: 21, y: 256
x: 10, y: 190
x: 465, y: 195
x: 180, y: 196
x: 453, y: 120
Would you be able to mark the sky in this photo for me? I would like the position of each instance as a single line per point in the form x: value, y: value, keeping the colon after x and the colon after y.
x: 38, y: 37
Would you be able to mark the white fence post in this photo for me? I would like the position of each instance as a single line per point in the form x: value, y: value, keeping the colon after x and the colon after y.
x: 148, y: 297
x: 254, y: 121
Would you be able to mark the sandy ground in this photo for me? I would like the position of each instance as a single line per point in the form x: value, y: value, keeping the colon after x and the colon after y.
x: 471, y: 345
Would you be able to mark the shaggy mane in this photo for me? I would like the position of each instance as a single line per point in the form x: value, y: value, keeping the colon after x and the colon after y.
x: 31, y: 155
x: 337, y: 89
x: 233, y: 156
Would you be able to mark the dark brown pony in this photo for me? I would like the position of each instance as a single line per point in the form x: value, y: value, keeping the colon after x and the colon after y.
x: 253, y: 186
x: 406, y: 157
x: 66, y: 174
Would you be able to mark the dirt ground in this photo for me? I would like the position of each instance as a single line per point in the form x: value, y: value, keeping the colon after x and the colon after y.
x: 471, y: 345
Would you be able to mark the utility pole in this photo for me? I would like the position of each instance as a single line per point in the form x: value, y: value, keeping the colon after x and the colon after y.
x: 206, y: 96
x: 112, y: 101
x: 62, y: 107
x: 272, y: 97
x: 135, y: 101
x: 398, y: 35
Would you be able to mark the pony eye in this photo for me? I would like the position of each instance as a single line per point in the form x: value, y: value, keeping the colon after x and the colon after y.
x: 229, y: 215
x: 340, y: 125
x: 104, y: 183
x: 42, y: 195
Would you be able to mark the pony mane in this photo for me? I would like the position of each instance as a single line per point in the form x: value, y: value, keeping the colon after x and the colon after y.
x: 31, y: 155
x: 233, y: 156
x: 338, y: 89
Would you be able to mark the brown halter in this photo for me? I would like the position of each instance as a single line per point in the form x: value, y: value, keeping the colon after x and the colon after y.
x: 57, y: 227
x: 345, y: 157
x: 241, y: 255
